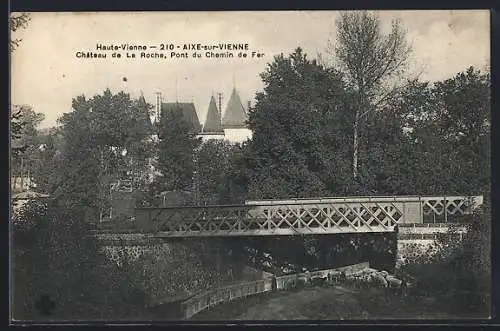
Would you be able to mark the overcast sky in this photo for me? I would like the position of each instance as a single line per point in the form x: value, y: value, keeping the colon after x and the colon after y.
x: 46, y: 73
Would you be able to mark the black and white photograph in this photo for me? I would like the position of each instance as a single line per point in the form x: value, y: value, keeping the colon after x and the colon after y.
x: 250, y: 166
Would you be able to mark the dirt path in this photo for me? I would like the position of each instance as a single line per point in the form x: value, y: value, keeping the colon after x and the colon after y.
x: 323, y: 303
x: 309, y: 303
x: 305, y: 304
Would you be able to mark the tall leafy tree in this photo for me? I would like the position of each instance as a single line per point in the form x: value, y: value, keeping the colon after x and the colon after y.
x: 102, y: 140
x: 47, y: 159
x: 297, y: 146
x: 80, y: 157
x: 466, y: 112
x: 176, y: 148
x: 440, y: 141
x: 369, y: 59
x: 24, y: 141
x: 214, y: 165
x: 430, y: 139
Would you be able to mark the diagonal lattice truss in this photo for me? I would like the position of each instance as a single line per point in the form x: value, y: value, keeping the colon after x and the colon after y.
x: 289, y: 217
x: 277, y: 220
x: 449, y: 206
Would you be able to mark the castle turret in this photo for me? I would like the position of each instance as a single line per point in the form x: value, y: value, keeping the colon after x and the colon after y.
x: 188, y: 111
x: 235, y: 116
x: 213, y: 120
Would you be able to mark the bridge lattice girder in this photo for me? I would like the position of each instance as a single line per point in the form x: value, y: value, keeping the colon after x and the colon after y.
x: 300, y: 216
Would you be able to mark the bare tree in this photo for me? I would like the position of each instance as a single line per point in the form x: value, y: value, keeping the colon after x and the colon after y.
x: 17, y: 21
x: 369, y: 60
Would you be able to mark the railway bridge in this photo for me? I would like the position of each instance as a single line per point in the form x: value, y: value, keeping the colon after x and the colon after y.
x: 158, y: 233
x: 298, y: 217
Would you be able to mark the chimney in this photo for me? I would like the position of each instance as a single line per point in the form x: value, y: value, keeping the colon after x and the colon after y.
x: 158, y: 105
x: 220, y: 102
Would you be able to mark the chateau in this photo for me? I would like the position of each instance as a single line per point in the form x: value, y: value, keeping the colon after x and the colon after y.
x: 229, y: 125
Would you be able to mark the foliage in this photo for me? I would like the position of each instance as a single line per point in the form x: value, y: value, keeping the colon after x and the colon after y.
x: 473, y: 253
x: 463, y: 266
x: 430, y: 139
x: 70, y: 269
x: 24, y: 132
x: 300, y: 112
x: 450, y: 128
x: 368, y: 57
x: 305, y: 112
x: 47, y: 161
x: 368, y: 60
x: 105, y: 138
x: 17, y: 21
x: 213, y: 167
x: 176, y: 148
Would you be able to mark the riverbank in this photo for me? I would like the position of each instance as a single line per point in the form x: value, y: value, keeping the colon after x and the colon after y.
x: 330, y: 303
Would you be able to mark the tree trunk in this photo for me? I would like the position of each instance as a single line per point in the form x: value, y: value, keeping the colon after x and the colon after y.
x: 22, y: 174
x: 355, y: 146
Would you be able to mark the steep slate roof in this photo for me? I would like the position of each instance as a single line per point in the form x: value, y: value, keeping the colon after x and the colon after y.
x: 188, y: 112
x: 235, y: 115
x: 213, y: 120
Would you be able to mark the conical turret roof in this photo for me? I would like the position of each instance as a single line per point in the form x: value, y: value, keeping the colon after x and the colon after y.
x: 213, y: 120
x: 235, y: 115
x: 188, y: 112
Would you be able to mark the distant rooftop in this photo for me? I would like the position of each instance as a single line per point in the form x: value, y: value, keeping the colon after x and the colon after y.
x: 188, y: 112
x: 213, y: 120
x: 235, y: 115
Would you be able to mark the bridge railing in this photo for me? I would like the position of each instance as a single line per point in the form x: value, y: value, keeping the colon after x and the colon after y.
x: 304, y: 216
x: 447, y: 209
x: 414, y: 209
x: 195, y: 219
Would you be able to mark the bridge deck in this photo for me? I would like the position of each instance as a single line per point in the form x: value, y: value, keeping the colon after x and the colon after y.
x: 301, y: 216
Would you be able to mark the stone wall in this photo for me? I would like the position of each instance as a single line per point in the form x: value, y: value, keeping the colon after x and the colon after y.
x: 421, y: 251
x: 413, y: 251
x: 423, y: 243
x: 170, y: 271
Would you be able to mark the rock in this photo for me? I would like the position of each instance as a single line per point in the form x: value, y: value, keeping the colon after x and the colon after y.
x: 393, y: 281
x: 379, y: 280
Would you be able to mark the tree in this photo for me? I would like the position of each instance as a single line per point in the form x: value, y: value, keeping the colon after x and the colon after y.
x: 24, y: 141
x: 70, y: 270
x: 24, y: 125
x: 102, y: 141
x: 446, y: 146
x: 47, y: 161
x: 430, y: 139
x: 214, y: 160
x: 369, y: 60
x: 18, y: 21
x: 78, y: 171
x: 176, y: 148
x: 463, y: 118
x: 18, y: 114
x: 300, y: 112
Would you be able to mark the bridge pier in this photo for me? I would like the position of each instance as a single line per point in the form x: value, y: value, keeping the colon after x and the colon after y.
x: 417, y: 242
